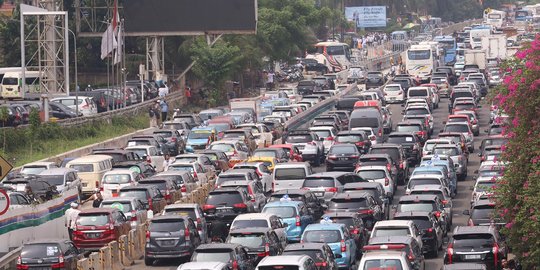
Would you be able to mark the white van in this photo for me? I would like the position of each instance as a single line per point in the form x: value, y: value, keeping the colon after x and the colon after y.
x: 290, y: 175
x: 91, y: 170
x: 300, y: 262
x: 12, y: 84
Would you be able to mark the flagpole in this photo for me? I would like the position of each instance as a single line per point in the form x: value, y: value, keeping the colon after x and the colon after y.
x: 108, y: 74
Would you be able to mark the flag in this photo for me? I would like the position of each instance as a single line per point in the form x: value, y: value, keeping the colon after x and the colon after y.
x: 108, y: 39
x: 119, y: 48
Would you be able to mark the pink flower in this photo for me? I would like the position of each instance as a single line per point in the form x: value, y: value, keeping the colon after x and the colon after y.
x: 509, y: 225
x: 519, y: 71
x: 521, y: 54
x: 526, y: 185
x: 529, y: 64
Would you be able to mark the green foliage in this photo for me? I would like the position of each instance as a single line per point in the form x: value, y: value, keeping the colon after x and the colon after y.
x: 517, y: 192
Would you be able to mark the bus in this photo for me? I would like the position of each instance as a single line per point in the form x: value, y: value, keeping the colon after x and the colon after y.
x: 14, y: 88
x: 495, y: 18
x: 449, y: 46
x: 522, y: 15
x: 421, y: 60
x: 336, y: 56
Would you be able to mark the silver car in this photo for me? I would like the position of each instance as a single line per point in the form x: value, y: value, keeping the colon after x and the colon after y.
x: 309, y: 144
x: 324, y: 185
x: 62, y: 178
x: 194, y: 211
x: 133, y: 208
x: 459, y: 158
x: 463, y: 128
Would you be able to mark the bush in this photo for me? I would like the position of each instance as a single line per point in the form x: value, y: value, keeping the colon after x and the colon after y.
x: 517, y: 192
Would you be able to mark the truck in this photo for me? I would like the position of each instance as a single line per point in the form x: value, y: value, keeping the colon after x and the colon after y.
x: 247, y: 104
x: 476, y: 57
x: 476, y: 36
x: 495, y: 46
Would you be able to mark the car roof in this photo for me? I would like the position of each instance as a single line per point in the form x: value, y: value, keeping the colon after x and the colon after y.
x: 251, y: 230
x: 251, y: 216
x: 327, y: 174
x: 202, y: 265
x: 283, y: 203
x: 459, y: 230
x: 421, y: 197
x: 290, y: 191
x: 398, y: 239
x: 384, y: 254
x: 169, y: 217
x: 204, y: 247
x: 385, y: 223
x: 326, y: 226
x: 283, y: 260
x: 353, y: 195
x: 56, y: 171
x: 305, y: 246
x: 98, y: 210
x: 412, y: 214
x: 337, y: 214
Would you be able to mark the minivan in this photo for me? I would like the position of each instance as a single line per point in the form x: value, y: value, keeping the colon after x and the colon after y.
x: 290, y: 175
x: 420, y: 92
x: 371, y: 118
x: 91, y: 170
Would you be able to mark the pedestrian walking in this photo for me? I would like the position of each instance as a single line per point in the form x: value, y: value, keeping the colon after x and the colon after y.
x: 71, y: 216
x: 152, y: 116
x: 96, y: 198
x: 164, y: 110
x: 157, y: 112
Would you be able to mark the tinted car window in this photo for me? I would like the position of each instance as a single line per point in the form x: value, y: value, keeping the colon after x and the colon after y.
x: 393, y: 264
x: 224, y: 198
x: 343, y: 150
x: 328, y: 182
x: 371, y: 174
x: 348, y: 204
x: 282, y: 212
x: 166, y: 225
x: 139, y: 194
x: 426, y: 207
x: 484, y: 212
x: 401, y: 139
x: 289, y: 173
x: 41, y: 250
x: 473, y: 240
x: 241, y: 224
x: 93, y: 220
x: 279, y: 267
x: 321, y: 236
x: 213, y: 255
x: 122, y: 206
x: 299, y: 139
x: 247, y: 240
x: 82, y: 167
x: 182, y: 211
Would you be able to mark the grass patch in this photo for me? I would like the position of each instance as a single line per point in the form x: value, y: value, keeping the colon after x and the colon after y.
x: 21, y: 146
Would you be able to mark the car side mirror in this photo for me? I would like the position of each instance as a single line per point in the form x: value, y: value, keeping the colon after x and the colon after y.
x: 338, y: 256
x: 466, y: 212
x: 285, y: 225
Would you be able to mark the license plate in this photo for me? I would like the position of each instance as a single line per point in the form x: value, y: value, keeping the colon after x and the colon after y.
x: 473, y: 257
x: 93, y: 235
x: 343, y: 158
x: 392, y: 98
x: 167, y: 242
x: 40, y: 268
x: 84, y: 184
x: 319, y: 194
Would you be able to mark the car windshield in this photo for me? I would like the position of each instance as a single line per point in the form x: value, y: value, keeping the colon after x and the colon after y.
x: 319, y: 182
x: 371, y: 174
x: 348, y: 138
x: 199, y: 134
x: 343, y: 149
x: 423, y: 207
x: 224, y: 199
x: 173, y: 225
x: 400, y: 139
x: 224, y: 256
x: 355, y: 203
x: 448, y: 151
x: 116, y: 179
x: 122, y: 206
x: 394, y: 264
x: 282, y: 211
x: 82, y: 167
x: 251, y: 223
x: 408, y: 128
x: 483, y: 240
x: 391, y: 231
x: 247, y: 240
x: 321, y: 236
x: 456, y: 128
x: 93, y: 220
x: 41, y: 251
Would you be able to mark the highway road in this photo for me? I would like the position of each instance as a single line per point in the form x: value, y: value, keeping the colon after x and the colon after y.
x: 460, y: 202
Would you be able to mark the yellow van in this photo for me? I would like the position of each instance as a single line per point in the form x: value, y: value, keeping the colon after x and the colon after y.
x: 91, y: 170
x: 270, y: 162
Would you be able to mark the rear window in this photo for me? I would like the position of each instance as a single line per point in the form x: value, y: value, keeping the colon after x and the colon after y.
x: 263, y: 153
x: 41, y: 250
x: 222, y: 147
x: 247, y: 240
x: 93, y: 220
x: 116, y: 179
x: 165, y: 134
x: 182, y: 211
x: 213, y: 255
x: 82, y: 167
x: 421, y: 222
x: 231, y: 177
x: 418, y: 92
x: 393, y: 152
x: 181, y: 168
x: 278, y: 267
x: 446, y: 151
x: 416, y: 111
x: 242, y: 224
x: 282, y: 212
x: 347, y: 221
x: 289, y: 173
x: 139, y: 194
x: 166, y: 225
x: 122, y: 206
x: 408, y: 128
x: 364, y: 122
x: 159, y: 184
x: 185, y: 159
x: 343, y: 149
x: 319, y: 182
x: 391, y: 231
x: 224, y: 199
x: 456, y: 128
x: 373, y: 161
x: 348, y: 138
x: 299, y: 139
x: 315, y: 254
x: 347, y: 204
x: 322, y: 133
x: 462, y: 94
x: 484, y: 240
x: 416, y: 206
x: 483, y: 212
x: 401, y: 139
x: 383, y: 264
x: 321, y: 236
x: 371, y: 174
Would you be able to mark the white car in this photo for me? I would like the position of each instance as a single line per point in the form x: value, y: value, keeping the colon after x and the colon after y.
x: 388, y: 228
x: 114, y: 180
x: 150, y: 153
x: 263, y: 135
x: 262, y: 220
x: 299, y: 262
x: 198, y: 171
x: 430, y: 144
x: 369, y: 132
x: 233, y: 149
x: 385, y: 259
x: 262, y: 170
x: 86, y: 105
x: 394, y: 93
x: 483, y: 186
x: 379, y: 174
x: 37, y: 167
x: 327, y: 134
x: 203, y: 265
x: 426, y: 179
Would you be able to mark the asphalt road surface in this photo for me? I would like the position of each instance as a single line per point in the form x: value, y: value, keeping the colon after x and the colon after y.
x: 460, y: 202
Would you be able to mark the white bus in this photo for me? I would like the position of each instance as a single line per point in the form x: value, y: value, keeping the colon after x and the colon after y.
x: 495, y: 18
x: 12, y: 84
x: 336, y: 56
x: 421, y: 61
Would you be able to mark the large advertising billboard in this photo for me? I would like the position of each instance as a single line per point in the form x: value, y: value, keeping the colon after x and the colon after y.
x: 366, y: 17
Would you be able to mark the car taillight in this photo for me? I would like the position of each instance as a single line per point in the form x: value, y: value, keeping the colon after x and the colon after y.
x: 329, y: 138
x: 148, y: 159
x: 366, y: 211
x: 430, y: 230
x: 235, y: 265
x: 360, y: 143
x: 470, y: 223
x: 195, y: 174
x: 343, y: 246
x: 401, y: 165
x: 85, y: 106
x: 240, y: 206
x: 133, y: 215
x: 150, y: 204
x: 183, y: 188
x: 355, y: 231
x: 207, y: 207
x: 60, y: 264
x: 332, y: 189
x: 450, y: 252
x: 320, y: 264
x: 386, y: 181
x: 235, y: 152
x: 380, y: 132
x: 20, y: 265
x: 332, y: 157
x: 298, y: 221
x: 186, y: 234
x: 354, y: 156
x: 444, y: 202
x: 410, y: 257
x: 388, y: 167
x: 173, y: 139
x: 438, y: 214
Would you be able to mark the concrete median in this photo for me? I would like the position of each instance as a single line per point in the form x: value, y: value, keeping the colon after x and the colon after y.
x: 84, y: 264
x: 116, y: 263
x: 105, y: 258
x: 123, y: 247
x: 95, y: 263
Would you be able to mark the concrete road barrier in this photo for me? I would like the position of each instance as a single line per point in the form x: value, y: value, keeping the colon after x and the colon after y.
x: 123, y: 247
x: 132, y: 243
x: 105, y: 258
x: 95, y: 263
x: 115, y: 256
x: 141, y: 238
x: 84, y: 264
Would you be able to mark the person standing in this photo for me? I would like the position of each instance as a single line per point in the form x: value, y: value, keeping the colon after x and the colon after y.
x: 152, y: 116
x: 212, y: 138
x: 163, y: 90
x: 270, y: 81
x: 157, y: 112
x: 187, y: 93
x: 96, y: 198
x: 164, y: 110
x: 71, y: 216
x: 168, y: 161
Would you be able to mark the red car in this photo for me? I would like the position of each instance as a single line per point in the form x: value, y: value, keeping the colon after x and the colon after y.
x: 291, y: 150
x: 97, y: 227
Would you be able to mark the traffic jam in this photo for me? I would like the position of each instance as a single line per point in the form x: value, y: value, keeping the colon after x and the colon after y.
x: 398, y: 174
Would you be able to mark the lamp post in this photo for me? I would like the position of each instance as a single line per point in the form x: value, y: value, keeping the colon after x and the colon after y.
x: 76, y: 74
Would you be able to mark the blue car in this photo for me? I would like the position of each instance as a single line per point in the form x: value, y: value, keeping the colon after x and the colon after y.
x: 336, y: 236
x: 445, y: 166
x: 198, y: 138
x: 293, y: 213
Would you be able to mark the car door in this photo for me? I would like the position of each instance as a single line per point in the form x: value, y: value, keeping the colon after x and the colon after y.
x: 280, y: 230
x: 71, y: 254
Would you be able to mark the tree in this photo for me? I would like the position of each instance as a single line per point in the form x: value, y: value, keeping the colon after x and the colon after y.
x: 214, y: 65
x: 517, y: 191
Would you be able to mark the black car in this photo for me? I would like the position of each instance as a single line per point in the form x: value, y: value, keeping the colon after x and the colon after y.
x: 357, y: 137
x: 416, y: 126
x: 410, y: 143
x: 315, y: 205
x: 405, y: 83
x: 314, y: 65
x: 406, y: 243
x: 481, y: 244
x: 150, y: 196
x: 347, y: 103
x: 321, y: 254
x: 175, y: 143
x: 307, y: 87
x: 192, y: 119
x: 170, y: 236
x: 36, y: 187
x: 227, y: 203
x: 398, y: 155
x: 375, y: 79
x: 167, y: 187
x: 342, y: 157
x: 484, y: 213
x: 353, y: 221
x: 259, y: 242
x: 430, y: 229
x: 49, y: 254
x: 376, y: 190
x: 361, y: 202
x: 234, y: 255
x: 14, y: 117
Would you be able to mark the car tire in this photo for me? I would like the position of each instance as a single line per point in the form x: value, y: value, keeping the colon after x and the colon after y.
x: 148, y: 261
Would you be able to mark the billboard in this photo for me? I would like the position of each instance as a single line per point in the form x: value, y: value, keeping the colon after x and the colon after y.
x: 188, y: 17
x: 365, y: 17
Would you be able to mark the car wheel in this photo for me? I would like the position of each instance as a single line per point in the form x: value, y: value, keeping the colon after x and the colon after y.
x: 148, y: 261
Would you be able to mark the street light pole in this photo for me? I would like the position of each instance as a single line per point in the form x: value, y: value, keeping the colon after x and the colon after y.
x: 76, y: 74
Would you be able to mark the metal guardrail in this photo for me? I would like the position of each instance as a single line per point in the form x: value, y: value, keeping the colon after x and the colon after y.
x: 8, y: 261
